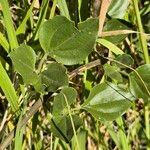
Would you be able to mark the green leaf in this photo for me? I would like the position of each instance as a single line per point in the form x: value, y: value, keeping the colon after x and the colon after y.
x: 63, y: 8
x: 60, y: 124
x: 54, y: 77
x: 56, y: 31
x: 62, y: 127
x: 113, y: 72
x: 8, y: 89
x: 141, y: 89
x: 106, y: 102
x: 60, y: 106
x: 113, y: 25
x: 124, y: 59
x: 24, y: 59
x: 118, y: 8
x: 89, y: 25
x: 65, y: 43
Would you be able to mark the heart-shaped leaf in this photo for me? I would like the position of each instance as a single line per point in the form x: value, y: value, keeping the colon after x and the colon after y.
x: 66, y: 43
x: 24, y: 59
x: 54, y: 77
x: 141, y: 87
x: 106, y: 102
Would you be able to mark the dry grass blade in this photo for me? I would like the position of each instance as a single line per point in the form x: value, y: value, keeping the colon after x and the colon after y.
x: 119, y: 32
x: 104, y: 7
x: 23, y: 122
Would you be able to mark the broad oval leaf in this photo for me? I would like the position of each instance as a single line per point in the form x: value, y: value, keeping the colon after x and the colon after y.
x: 118, y: 8
x: 54, y: 77
x: 137, y: 87
x: 106, y: 102
x: 24, y: 59
x: 65, y: 43
x: 55, y: 32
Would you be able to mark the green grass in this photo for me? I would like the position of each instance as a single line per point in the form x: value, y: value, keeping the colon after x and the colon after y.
x: 30, y: 107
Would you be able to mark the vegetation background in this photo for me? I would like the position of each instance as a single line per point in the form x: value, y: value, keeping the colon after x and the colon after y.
x: 75, y: 74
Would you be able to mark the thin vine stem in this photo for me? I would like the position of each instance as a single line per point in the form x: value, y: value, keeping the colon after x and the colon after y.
x: 110, y: 59
x: 71, y: 119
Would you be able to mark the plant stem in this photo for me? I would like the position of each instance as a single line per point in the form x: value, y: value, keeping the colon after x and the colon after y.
x: 41, y: 63
x: 141, y: 36
x: 71, y: 119
x: 147, y: 61
x: 122, y: 135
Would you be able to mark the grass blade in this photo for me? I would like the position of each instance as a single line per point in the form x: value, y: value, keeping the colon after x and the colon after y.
x: 22, y: 27
x: 4, y: 43
x: 110, y: 46
x: 9, y: 24
x: 19, y: 134
x: 8, y: 89
x: 122, y: 135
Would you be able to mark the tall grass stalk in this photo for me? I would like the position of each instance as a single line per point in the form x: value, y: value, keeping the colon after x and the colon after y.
x: 147, y: 61
x: 9, y: 24
x: 142, y: 37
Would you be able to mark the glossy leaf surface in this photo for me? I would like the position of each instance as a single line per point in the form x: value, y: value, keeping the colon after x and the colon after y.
x: 65, y: 43
x: 106, y: 102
